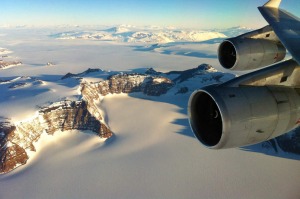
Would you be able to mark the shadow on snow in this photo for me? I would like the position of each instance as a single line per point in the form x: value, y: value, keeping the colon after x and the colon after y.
x: 285, y: 146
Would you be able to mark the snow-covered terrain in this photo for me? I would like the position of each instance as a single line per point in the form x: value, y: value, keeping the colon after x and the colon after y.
x: 234, y: 31
x: 5, y: 59
x: 153, y: 153
x: 131, y: 34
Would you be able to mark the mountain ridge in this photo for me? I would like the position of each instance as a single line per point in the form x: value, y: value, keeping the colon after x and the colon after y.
x: 17, y: 139
x: 130, y: 34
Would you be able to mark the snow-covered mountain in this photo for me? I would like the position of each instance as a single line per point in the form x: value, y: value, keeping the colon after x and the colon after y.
x: 16, y: 140
x: 5, y: 60
x: 233, y: 31
x: 132, y: 34
x: 140, y: 35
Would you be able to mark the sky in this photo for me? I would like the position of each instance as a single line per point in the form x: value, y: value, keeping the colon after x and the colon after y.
x: 176, y: 13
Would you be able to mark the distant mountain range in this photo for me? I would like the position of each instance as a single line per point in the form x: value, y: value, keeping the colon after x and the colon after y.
x: 130, y: 34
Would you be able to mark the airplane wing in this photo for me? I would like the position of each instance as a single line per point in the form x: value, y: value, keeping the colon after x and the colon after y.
x: 285, y: 25
x: 261, y: 104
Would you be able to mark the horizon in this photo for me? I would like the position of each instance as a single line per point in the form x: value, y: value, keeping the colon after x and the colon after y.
x: 205, y: 14
x: 128, y: 26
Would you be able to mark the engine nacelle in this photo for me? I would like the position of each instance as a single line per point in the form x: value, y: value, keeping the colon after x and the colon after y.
x: 242, y: 53
x: 226, y: 117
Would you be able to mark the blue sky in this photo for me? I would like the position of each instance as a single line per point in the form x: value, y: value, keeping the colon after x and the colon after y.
x: 178, y: 13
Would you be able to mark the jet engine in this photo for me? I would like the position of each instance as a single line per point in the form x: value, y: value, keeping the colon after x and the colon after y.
x: 251, y: 51
x: 226, y: 117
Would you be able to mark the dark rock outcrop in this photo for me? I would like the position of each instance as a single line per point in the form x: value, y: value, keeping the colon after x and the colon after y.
x: 90, y: 70
x: 16, y: 140
x: 128, y: 83
x: 202, y: 69
x: 5, y: 64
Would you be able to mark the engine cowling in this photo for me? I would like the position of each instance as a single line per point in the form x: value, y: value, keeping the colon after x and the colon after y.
x: 242, y: 53
x: 226, y: 117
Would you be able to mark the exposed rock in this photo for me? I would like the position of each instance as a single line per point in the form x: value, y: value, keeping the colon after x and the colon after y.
x: 151, y: 71
x: 90, y: 70
x: 203, y: 69
x: 6, y: 64
x: 206, y: 67
x: 11, y: 155
x: 128, y: 83
x: 68, y: 75
x: 17, y: 139
x: 68, y: 115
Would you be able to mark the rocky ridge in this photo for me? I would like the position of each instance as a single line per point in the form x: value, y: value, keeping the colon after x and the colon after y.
x: 17, y: 139
x: 129, y: 83
x: 6, y: 64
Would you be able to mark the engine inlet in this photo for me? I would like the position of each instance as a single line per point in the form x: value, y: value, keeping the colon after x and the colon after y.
x: 205, y: 118
x: 227, y: 54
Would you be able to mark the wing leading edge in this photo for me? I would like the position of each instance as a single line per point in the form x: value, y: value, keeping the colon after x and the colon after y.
x: 285, y: 25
